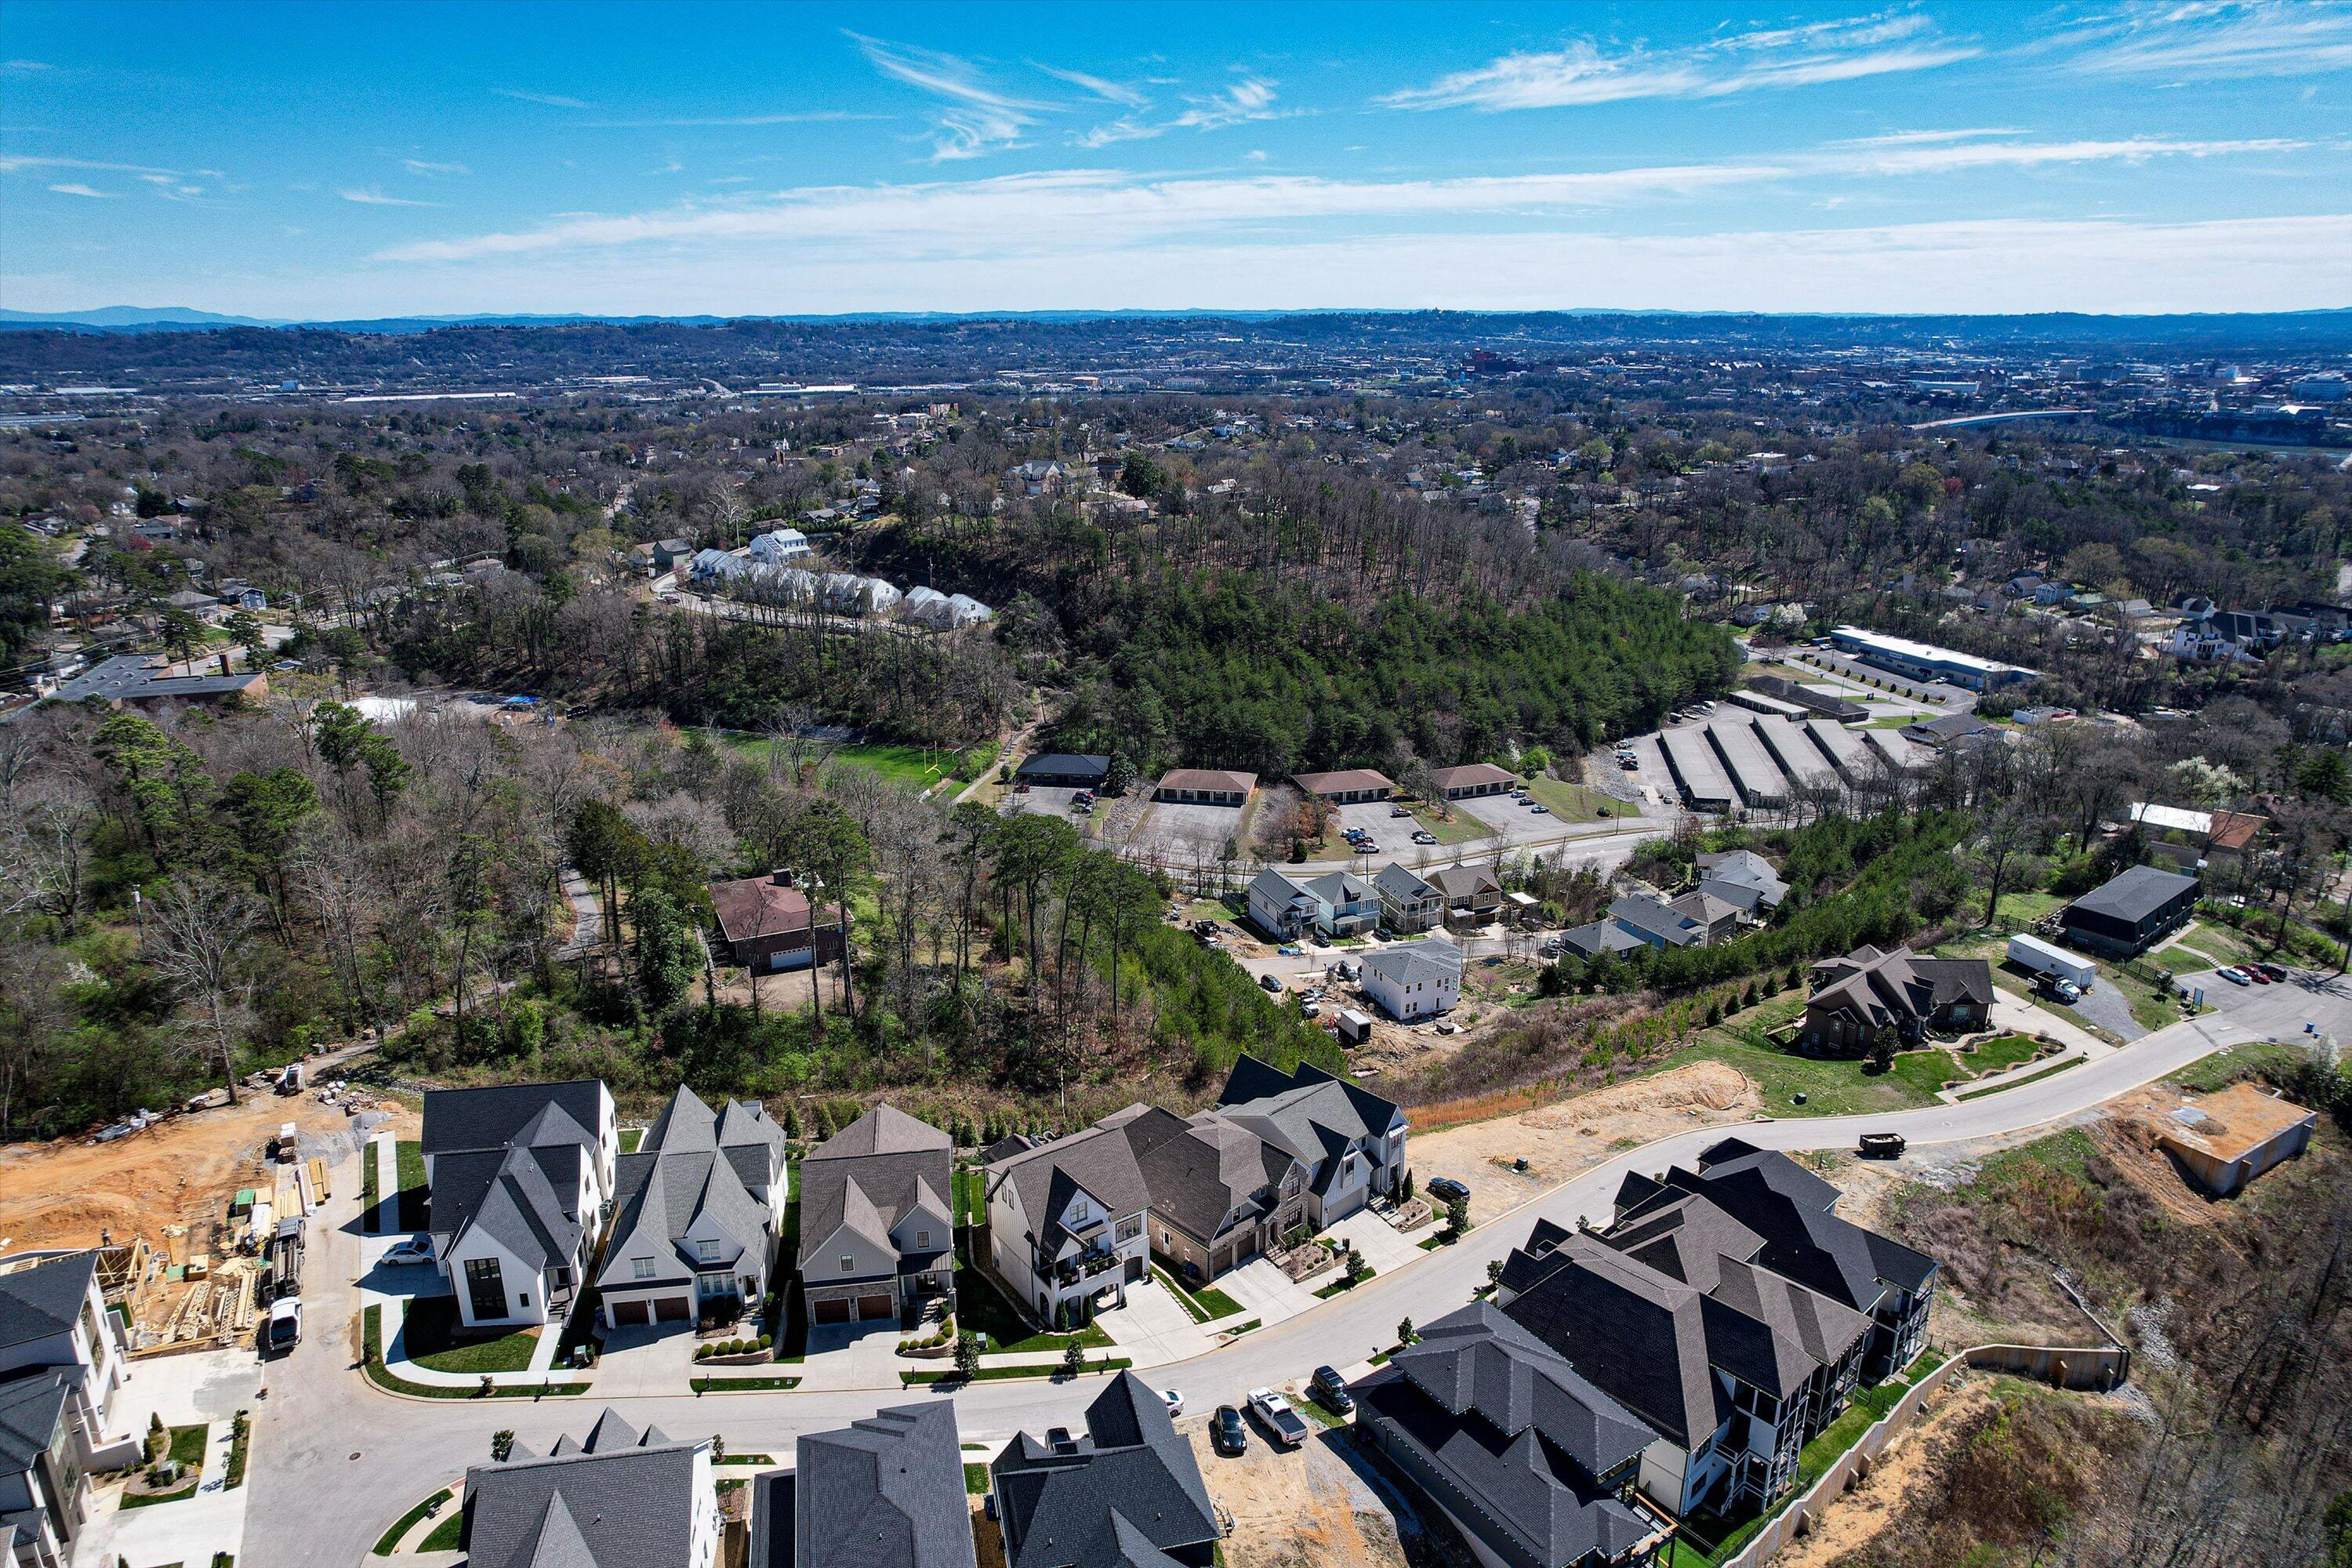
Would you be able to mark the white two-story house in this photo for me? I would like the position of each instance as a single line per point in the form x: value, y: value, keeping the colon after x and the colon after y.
x: 698, y: 1207
x: 523, y: 1178
x: 1066, y: 1223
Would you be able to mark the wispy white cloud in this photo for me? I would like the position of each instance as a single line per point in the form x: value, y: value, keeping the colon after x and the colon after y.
x: 18, y: 162
x: 77, y: 189
x: 1239, y: 103
x: 2215, y: 41
x: 1584, y: 72
x: 369, y: 196
x: 1119, y: 92
x: 973, y: 117
x: 427, y: 169
x: 986, y: 215
x: 793, y: 117
x: 550, y: 100
x: 24, y: 68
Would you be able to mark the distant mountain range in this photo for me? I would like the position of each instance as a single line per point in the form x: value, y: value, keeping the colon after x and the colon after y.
x: 182, y: 318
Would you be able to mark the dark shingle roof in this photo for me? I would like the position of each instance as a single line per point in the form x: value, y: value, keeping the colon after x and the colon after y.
x: 460, y: 1119
x: 1098, y: 1160
x: 2134, y: 894
x: 40, y: 1301
x: 30, y: 1408
x: 1306, y: 1104
x: 618, y: 1500
x: 885, y: 1492
x: 1500, y: 1420
x: 1202, y: 1169
x: 1130, y: 1486
x: 1789, y: 1207
x: 1638, y: 1335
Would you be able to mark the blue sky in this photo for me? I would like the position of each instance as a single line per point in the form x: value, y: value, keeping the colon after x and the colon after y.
x: 357, y: 160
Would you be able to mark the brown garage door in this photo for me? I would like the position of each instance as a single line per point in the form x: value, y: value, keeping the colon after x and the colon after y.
x: 833, y: 1310
x: 625, y: 1313
x: 871, y: 1307
x: 672, y: 1309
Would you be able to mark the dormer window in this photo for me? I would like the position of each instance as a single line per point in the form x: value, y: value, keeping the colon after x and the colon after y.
x: 707, y: 1251
x: 922, y: 1240
x: 641, y: 1267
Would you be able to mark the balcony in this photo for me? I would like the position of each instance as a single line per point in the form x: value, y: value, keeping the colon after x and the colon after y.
x: 1086, y: 1265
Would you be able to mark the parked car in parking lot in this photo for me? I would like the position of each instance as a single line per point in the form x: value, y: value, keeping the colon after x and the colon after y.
x: 2268, y: 971
x: 1331, y: 1392
x: 1425, y: 836
x: 2236, y: 976
x: 1226, y: 1432
x: 2254, y: 973
x: 1540, y: 809
x: 1397, y: 811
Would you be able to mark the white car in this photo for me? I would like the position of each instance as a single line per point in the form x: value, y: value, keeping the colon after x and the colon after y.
x: 1175, y: 1402
x: 415, y: 1250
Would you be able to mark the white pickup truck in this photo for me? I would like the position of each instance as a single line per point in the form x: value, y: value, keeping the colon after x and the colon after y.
x: 1283, y: 1423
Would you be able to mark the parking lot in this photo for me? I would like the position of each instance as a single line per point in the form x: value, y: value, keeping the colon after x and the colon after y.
x: 2281, y: 1009
x: 1181, y: 834
x: 1392, y: 834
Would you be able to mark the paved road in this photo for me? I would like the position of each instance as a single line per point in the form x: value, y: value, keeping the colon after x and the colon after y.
x: 336, y: 1461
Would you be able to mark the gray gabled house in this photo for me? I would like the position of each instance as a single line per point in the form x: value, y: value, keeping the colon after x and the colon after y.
x: 1410, y: 904
x: 1526, y: 1457
x: 877, y: 1218
x: 699, y: 1206
x: 615, y: 1499
x: 1220, y: 1194
x: 885, y: 1492
x: 44, y: 1486
x: 1127, y: 1494
x: 1350, y: 1140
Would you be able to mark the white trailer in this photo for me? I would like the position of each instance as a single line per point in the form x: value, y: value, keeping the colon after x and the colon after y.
x: 2030, y: 952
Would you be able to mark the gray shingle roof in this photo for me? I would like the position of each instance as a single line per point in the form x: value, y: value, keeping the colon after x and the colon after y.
x: 1200, y: 1170
x: 521, y: 1209
x: 886, y: 1492
x: 40, y: 1301
x: 1638, y: 1335
x: 1400, y: 884
x: 870, y: 1173
x: 1597, y: 937
x: 1898, y: 986
x: 2134, y: 894
x: 619, y: 1500
x: 1512, y: 1430
x: 460, y: 1119
x: 1098, y: 1160
x: 1409, y: 962
x: 1789, y: 1207
x: 1065, y: 1510
x: 30, y: 1408
x: 1303, y: 1101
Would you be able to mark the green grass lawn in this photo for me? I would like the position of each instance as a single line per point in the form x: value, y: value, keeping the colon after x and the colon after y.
x: 445, y: 1534
x: 371, y: 1339
x: 1464, y: 828
x: 981, y: 1309
x: 367, y: 1189
x: 1577, y: 802
x: 2029, y: 1077
x: 1202, y: 1305
x: 188, y: 1446
x: 1341, y: 1283
x: 743, y: 1385
x: 437, y: 1342
x: 413, y: 1191
x: 630, y: 1138
x: 2222, y: 1069
x: 1007, y: 1374
x: 389, y: 1539
x: 975, y: 1479
x: 1832, y: 1087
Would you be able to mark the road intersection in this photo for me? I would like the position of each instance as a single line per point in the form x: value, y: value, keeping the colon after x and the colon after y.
x: 336, y: 1460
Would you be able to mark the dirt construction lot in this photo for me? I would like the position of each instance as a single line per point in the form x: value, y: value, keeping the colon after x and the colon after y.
x: 63, y: 1194
x: 1307, y: 1508
x: 1559, y: 1140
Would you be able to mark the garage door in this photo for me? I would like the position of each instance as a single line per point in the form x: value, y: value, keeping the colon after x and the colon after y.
x: 833, y: 1310
x: 873, y: 1307
x: 625, y: 1313
x: 672, y: 1309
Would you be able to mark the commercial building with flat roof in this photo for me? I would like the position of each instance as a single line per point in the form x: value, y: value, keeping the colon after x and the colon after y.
x: 2130, y: 912
x: 1926, y: 661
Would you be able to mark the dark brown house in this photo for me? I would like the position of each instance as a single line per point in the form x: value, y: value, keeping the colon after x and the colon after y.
x: 766, y: 923
x: 1855, y: 996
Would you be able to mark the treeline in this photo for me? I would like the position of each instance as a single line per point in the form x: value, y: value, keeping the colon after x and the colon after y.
x: 1226, y: 672
x: 1874, y: 881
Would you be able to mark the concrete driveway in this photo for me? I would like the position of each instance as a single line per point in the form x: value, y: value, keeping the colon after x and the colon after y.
x: 852, y: 1355
x: 1153, y: 1328
x: 1384, y: 1246
x: 645, y: 1359
x: 1266, y: 1292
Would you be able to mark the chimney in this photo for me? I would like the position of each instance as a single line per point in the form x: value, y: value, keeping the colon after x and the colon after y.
x: 224, y: 663
x: 781, y: 877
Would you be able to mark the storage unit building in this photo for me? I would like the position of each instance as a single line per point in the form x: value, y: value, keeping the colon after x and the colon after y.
x: 1705, y: 786
x: 1753, y: 773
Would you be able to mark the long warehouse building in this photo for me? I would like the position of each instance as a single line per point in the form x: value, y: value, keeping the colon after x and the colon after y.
x: 1902, y: 754
x: 1759, y: 782
x: 1926, y: 661
x: 1848, y: 752
x: 1705, y: 786
x: 1795, y: 751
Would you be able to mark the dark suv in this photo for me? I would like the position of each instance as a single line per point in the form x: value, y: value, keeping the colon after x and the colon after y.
x: 1331, y: 1392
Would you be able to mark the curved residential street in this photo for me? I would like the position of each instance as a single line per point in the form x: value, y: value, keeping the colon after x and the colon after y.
x: 336, y: 1460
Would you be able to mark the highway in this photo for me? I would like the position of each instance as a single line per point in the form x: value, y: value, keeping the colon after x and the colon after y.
x: 336, y: 1460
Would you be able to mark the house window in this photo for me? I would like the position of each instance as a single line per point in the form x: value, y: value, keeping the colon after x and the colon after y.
x: 922, y: 1240
x: 641, y: 1267
x: 707, y: 1251
x: 486, y: 1287
x: 848, y: 1264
